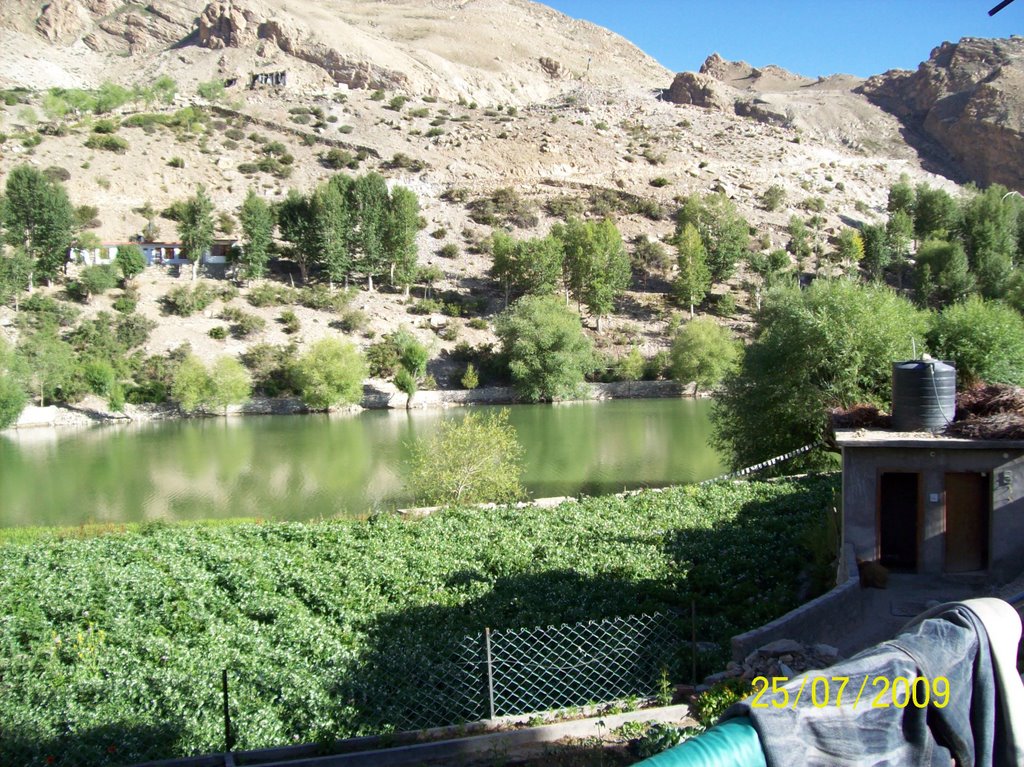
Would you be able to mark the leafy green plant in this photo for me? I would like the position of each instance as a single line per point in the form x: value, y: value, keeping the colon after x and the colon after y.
x: 107, y: 143
x: 712, y: 703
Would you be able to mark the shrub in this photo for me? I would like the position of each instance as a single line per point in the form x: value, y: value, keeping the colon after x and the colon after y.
x: 212, y: 90
x: 289, y: 321
x: 336, y: 159
x: 983, y: 339
x: 220, y: 332
x: 450, y: 250
x: 773, y: 197
x: 323, y: 299
x: 270, y: 294
x: 470, y: 379
x: 176, y: 162
x: 659, y: 181
x: 185, y: 300
x: 125, y: 304
x: 471, y: 460
x: 331, y: 373
x: 107, y: 143
x: 55, y: 173
x: 352, y: 321
x: 105, y: 126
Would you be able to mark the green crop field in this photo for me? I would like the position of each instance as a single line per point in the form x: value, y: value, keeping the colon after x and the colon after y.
x: 112, y: 645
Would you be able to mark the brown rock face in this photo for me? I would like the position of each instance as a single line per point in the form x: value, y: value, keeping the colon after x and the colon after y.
x: 969, y: 98
x: 60, y: 20
x: 700, y: 90
x: 226, y: 25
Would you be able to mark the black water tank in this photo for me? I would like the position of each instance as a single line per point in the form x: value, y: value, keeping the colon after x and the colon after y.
x: 923, y: 395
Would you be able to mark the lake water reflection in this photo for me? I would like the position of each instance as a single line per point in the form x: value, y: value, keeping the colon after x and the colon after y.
x: 309, y: 467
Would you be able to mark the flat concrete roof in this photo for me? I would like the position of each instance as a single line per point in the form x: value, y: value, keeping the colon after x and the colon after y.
x: 919, y: 439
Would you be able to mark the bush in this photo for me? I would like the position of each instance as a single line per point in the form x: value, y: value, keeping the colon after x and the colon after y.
x: 773, y: 197
x: 185, y: 300
x: 219, y: 333
x: 271, y: 368
x: 323, y: 299
x: 450, y: 250
x: 352, y: 321
x: 105, y: 126
x: 659, y: 181
x: 92, y: 281
x: 475, y: 459
x: 704, y: 352
x: 107, y: 143
x: 212, y: 90
x: 331, y: 373
x: 289, y: 321
x: 176, y: 162
x: 336, y: 159
x: 983, y: 339
x: 125, y: 304
x: 270, y: 294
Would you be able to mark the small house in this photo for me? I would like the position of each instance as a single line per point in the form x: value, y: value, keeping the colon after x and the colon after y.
x: 924, y: 502
x: 154, y: 253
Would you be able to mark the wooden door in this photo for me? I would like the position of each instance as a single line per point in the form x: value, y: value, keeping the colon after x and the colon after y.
x: 897, y: 519
x: 967, y: 521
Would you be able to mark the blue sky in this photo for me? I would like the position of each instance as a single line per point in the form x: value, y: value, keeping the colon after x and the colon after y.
x: 811, y: 38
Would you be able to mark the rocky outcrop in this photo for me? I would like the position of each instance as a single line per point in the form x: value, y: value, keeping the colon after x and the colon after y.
x: 225, y: 24
x: 700, y: 90
x: 969, y: 98
x: 61, y: 20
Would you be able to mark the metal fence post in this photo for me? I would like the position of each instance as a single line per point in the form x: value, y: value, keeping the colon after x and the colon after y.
x: 490, y: 671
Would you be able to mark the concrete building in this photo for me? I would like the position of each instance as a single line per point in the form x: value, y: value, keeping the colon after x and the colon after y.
x: 929, y: 504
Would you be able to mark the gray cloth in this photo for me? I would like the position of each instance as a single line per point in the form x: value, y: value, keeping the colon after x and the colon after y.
x: 975, y: 727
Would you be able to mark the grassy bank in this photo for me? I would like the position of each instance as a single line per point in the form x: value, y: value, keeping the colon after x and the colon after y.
x: 111, y: 646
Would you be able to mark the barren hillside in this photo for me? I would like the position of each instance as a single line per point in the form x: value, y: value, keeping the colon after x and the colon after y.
x: 454, y: 100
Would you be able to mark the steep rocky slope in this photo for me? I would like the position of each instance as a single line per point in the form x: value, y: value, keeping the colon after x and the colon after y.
x: 969, y: 98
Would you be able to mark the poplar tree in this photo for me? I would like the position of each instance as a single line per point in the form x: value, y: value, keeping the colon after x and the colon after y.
x: 369, y: 203
x: 294, y: 223
x: 257, y: 221
x: 196, y: 227
x: 400, y: 230
x: 694, y: 278
x: 330, y: 230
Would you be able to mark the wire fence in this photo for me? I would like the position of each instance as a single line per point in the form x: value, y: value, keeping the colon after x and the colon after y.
x: 522, y: 671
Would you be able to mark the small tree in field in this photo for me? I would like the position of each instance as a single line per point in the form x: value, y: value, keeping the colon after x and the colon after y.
x: 331, y: 373
x: 547, y: 352
x: 130, y: 261
x: 192, y: 386
x: 230, y: 383
x: 703, y: 352
x: 475, y: 459
x: 196, y: 227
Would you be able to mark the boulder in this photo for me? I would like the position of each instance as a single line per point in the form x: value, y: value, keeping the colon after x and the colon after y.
x: 699, y: 90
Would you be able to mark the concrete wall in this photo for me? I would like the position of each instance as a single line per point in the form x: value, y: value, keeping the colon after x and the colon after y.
x: 813, y: 621
x: 500, y: 395
x: 862, y: 467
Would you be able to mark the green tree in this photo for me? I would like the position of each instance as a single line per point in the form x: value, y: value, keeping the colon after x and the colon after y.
x: 400, y: 229
x: 724, y: 232
x: 942, y: 275
x: 294, y: 220
x: 829, y: 345
x: 849, y: 248
x: 650, y: 257
x: 526, y: 266
x: 988, y: 229
x: 470, y: 379
x: 193, y: 386
x: 595, y: 264
x: 548, y: 354
x: 15, y: 276
x: 703, y: 352
x: 899, y: 231
x: 130, y: 261
x: 196, y: 228
x: 50, y: 364
x: 474, y: 459
x: 412, y: 361
x: 257, y: 221
x: 936, y: 214
x: 368, y: 201
x: 694, y: 278
x: 902, y: 197
x: 38, y: 219
x: 768, y: 270
x: 94, y: 280
x: 877, y: 253
x: 330, y: 374
x: 12, y: 394
x: 984, y: 339
x: 230, y: 383
x: 331, y: 231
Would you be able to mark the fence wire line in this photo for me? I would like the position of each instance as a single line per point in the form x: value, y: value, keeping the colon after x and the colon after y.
x: 530, y: 670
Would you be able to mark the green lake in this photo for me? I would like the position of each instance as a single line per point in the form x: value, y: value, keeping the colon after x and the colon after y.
x: 313, y: 467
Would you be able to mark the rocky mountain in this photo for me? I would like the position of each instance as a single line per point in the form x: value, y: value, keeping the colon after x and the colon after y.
x: 512, y: 51
x: 969, y: 99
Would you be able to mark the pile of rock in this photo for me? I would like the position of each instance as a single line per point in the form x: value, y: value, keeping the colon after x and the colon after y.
x: 783, y: 657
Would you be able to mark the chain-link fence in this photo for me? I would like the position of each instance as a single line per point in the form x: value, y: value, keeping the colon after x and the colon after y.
x: 519, y: 671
